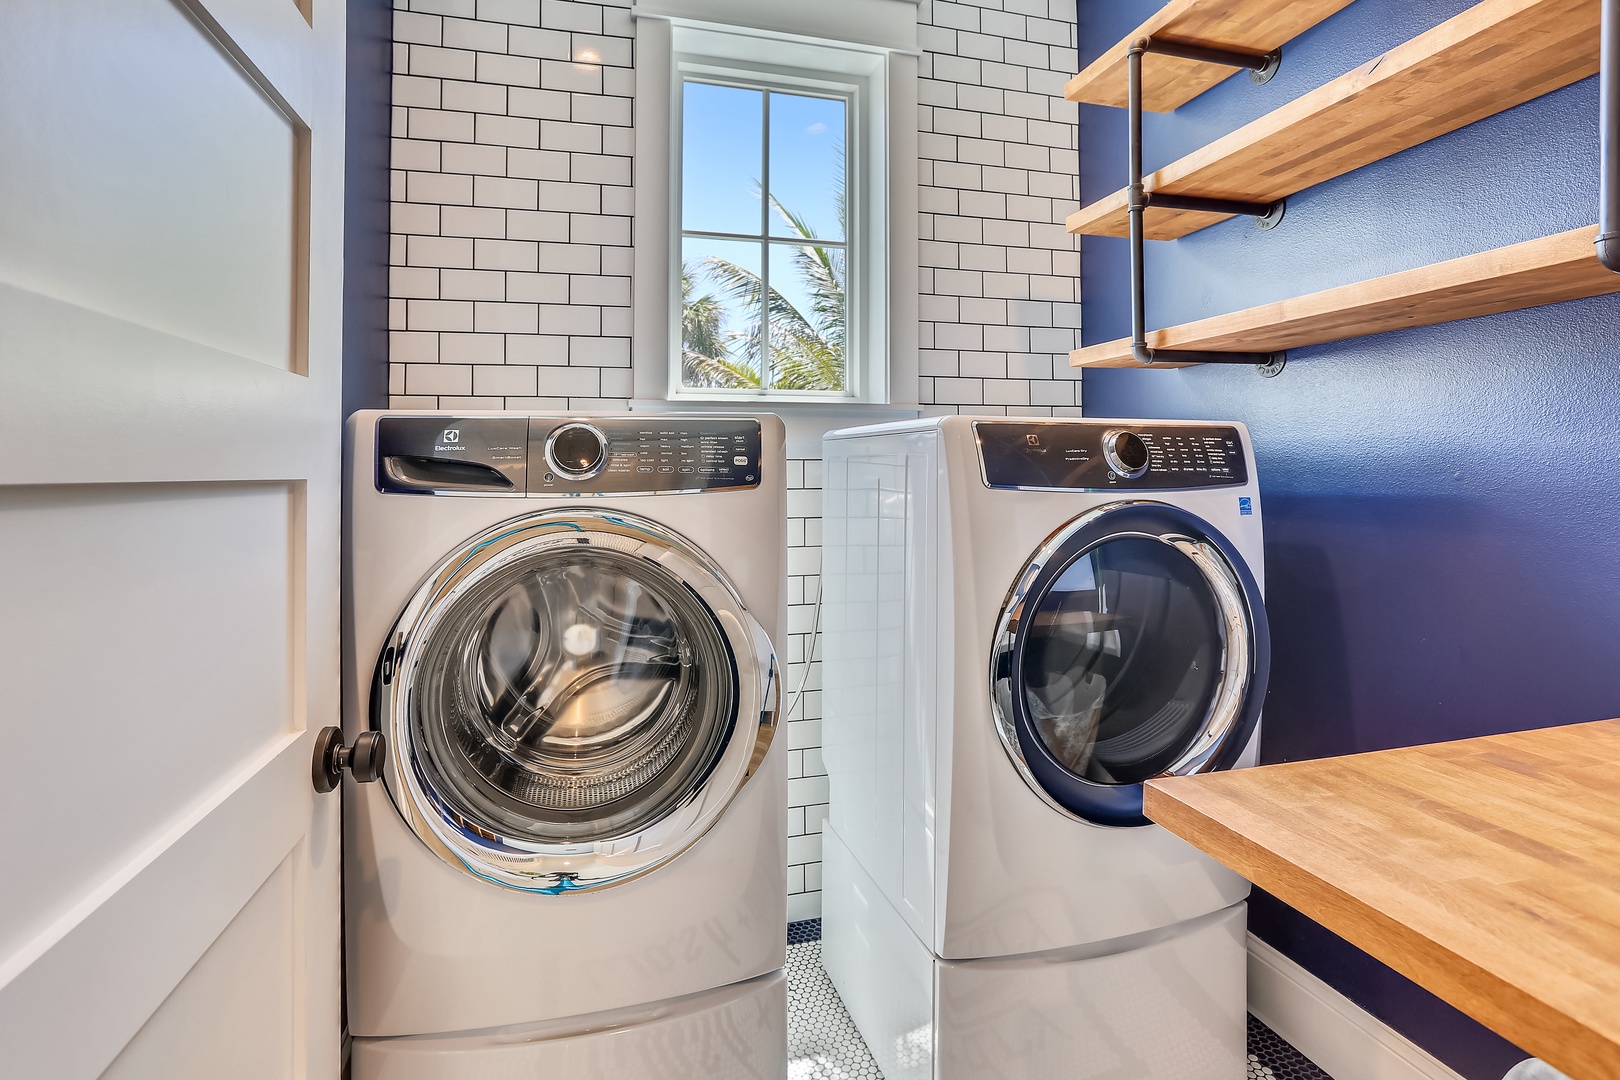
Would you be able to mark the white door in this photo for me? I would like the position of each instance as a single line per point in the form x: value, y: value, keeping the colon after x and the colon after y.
x: 170, y: 205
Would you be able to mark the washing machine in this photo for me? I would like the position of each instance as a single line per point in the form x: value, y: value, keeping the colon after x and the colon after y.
x: 575, y: 863
x: 1023, y: 621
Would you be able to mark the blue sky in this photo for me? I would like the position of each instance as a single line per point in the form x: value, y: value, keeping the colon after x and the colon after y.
x: 723, y: 158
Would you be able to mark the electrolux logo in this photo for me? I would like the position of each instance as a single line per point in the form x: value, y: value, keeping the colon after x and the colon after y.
x: 449, y: 439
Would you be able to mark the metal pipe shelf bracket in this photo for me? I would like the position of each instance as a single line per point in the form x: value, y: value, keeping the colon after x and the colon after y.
x: 1261, y: 68
x: 1608, y: 237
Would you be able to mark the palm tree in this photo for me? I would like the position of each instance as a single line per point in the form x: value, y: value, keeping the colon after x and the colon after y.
x: 806, y: 349
x: 705, y: 353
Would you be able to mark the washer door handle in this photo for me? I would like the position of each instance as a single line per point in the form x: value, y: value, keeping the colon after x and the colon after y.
x: 364, y: 759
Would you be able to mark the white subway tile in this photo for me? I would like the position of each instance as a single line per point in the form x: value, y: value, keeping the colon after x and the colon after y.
x: 571, y: 382
x: 417, y: 28
x: 474, y: 159
x: 475, y: 34
x: 600, y: 169
x: 472, y: 221
x: 542, y: 44
x: 599, y: 352
x: 505, y: 380
x: 508, y: 131
x: 526, y: 12
x: 472, y: 285
x: 536, y: 164
x: 464, y: 348
x: 575, y: 78
x: 570, y: 320
x: 438, y: 379
x: 505, y: 192
x: 537, y: 288
x: 540, y: 104
x: 441, y: 63
x: 540, y: 350
x: 536, y: 225
x: 504, y: 318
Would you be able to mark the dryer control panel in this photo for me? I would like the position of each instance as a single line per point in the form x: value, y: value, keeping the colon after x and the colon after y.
x: 1099, y: 456
x: 518, y: 455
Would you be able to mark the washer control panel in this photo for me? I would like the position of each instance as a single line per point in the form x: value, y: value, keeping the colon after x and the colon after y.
x: 630, y: 455
x: 1099, y: 456
x: 532, y: 455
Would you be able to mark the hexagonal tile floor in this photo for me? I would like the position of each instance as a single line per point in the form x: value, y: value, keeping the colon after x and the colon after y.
x: 824, y: 1045
x: 822, y: 1041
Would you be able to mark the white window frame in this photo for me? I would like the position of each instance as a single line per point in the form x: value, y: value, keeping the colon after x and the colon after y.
x: 670, y: 44
x: 767, y: 79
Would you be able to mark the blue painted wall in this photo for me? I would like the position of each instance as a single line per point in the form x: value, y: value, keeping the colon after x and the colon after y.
x: 1442, y: 505
x: 368, y: 105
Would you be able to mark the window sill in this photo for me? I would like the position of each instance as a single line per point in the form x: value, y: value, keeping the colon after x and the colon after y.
x: 806, y: 421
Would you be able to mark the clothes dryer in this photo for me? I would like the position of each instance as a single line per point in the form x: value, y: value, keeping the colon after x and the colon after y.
x: 1025, y: 620
x: 576, y: 863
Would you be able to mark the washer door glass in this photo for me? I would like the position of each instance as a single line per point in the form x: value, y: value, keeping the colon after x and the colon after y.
x: 1122, y: 661
x: 577, y: 694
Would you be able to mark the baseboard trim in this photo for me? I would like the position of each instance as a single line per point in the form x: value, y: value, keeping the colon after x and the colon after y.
x: 1344, y: 1040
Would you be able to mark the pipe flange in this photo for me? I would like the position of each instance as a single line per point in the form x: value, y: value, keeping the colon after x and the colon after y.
x: 1262, y: 74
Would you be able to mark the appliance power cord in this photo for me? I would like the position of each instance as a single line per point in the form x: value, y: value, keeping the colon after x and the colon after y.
x: 809, y: 652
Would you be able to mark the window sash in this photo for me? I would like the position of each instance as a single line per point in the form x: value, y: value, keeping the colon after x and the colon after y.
x: 767, y: 83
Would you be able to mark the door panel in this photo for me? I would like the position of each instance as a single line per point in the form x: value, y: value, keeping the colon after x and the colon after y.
x: 156, y: 181
x: 151, y: 616
x: 253, y: 1031
x: 170, y: 264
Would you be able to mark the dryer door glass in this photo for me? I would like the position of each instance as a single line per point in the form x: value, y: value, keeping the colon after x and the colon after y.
x: 573, y: 695
x: 1132, y: 645
x: 1122, y: 661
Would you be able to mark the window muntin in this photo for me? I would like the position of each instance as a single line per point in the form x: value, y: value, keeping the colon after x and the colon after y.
x: 765, y: 293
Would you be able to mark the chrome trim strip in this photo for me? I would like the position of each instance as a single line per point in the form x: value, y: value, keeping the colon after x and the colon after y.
x: 1224, y: 709
x: 558, y: 868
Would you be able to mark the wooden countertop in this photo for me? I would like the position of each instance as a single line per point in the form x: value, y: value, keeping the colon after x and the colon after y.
x: 1486, y: 870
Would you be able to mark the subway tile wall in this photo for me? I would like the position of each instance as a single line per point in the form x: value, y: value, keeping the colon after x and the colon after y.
x: 999, y: 173
x: 512, y: 200
x: 512, y: 195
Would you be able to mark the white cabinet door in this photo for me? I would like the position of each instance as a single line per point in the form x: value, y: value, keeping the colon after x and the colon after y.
x: 170, y: 263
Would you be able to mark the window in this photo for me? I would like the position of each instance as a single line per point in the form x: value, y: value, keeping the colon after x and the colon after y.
x: 765, y: 241
x: 776, y: 269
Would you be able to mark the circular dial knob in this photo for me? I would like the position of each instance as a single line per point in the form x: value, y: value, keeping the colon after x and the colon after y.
x: 576, y: 451
x: 1125, y: 453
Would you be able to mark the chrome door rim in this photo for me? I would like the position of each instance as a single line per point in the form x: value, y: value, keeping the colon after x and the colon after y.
x: 1229, y: 705
x: 566, y: 867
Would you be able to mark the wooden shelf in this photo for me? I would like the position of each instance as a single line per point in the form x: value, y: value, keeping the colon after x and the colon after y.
x: 1495, y: 55
x: 1547, y: 270
x: 1251, y: 26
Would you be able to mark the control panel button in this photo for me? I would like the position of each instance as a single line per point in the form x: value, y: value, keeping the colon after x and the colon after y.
x: 1125, y: 453
x: 576, y: 451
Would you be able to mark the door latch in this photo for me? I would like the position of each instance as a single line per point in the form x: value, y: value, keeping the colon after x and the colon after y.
x: 364, y: 759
